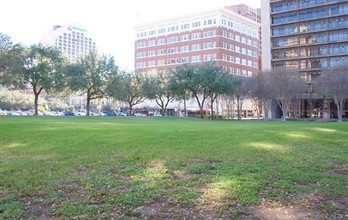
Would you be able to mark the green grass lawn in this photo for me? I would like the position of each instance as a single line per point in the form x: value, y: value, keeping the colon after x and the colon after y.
x: 124, y: 167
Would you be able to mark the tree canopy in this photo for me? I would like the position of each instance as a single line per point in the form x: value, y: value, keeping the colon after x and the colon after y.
x: 91, y: 75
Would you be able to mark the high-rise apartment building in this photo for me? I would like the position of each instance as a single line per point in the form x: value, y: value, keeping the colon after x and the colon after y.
x: 226, y: 37
x: 307, y: 35
x: 72, y: 40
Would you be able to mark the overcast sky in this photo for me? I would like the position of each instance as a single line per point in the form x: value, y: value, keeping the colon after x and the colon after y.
x: 111, y: 22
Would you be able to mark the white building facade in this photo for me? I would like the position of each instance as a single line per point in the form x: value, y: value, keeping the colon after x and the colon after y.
x: 73, y: 41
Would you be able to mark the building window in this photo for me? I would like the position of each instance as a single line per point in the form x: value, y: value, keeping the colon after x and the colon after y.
x: 141, y: 54
x: 151, y: 43
x: 141, y: 65
x: 185, y: 59
x: 151, y: 53
x: 209, y: 45
x: 196, y: 24
x: 196, y: 47
x: 185, y: 37
x: 185, y: 48
x: 161, y: 41
x: 237, y: 38
x: 196, y: 36
x: 172, y: 39
x: 151, y: 63
x: 209, y: 33
x: 140, y: 44
x: 237, y: 49
x: 195, y: 59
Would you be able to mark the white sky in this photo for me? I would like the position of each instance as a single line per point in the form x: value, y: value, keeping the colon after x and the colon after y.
x: 111, y: 22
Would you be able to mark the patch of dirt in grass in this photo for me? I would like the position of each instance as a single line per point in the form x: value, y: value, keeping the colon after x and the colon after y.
x: 339, y: 169
x: 306, y: 206
x: 179, y: 174
x: 72, y: 190
x: 36, y: 209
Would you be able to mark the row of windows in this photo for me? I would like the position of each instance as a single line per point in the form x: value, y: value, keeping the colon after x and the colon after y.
x: 311, y: 51
x: 186, y: 37
x: 193, y: 59
x: 319, y: 25
x: 197, y: 58
x: 196, y: 47
x: 65, y: 36
x: 314, y: 38
x: 296, y: 4
x: 174, y: 28
x: 175, y: 39
x: 240, y: 27
x: 239, y: 38
x: 312, y: 63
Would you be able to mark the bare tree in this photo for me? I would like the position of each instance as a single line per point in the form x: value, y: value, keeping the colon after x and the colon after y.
x: 261, y: 90
x: 287, y: 86
x: 333, y: 84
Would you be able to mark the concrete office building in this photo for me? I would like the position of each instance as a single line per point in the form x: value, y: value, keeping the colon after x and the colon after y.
x: 226, y: 37
x: 307, y: 35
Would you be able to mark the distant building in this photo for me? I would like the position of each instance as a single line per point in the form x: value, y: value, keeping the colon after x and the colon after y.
x: 228, y: 38
x: 307, y: 35
x: 72, y: 40
x: 222, y: 35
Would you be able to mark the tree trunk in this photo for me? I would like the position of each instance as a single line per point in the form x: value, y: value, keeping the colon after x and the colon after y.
x: 340, y: 105
x: 36, y: 100
x: 238, y: 108
x: 130, y: 109
x: 87, y: 104
x: 185, y: 112
x: 212, y: 109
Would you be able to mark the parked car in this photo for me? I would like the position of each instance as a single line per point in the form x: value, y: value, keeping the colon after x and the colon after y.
x: 2, y: 112
x: 110, y: 112
x: 68, y: 113
x: 122, y: 114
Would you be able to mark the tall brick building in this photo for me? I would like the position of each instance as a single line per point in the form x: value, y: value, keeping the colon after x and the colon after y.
x: 222, y: 35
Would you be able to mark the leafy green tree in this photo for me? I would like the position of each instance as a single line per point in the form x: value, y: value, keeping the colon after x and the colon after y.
x: 177, y: 85
x: 38, y: 68
x: 333, y: 84
x: 128, y: 88
x: 91, y: 75
x: 10, y: 60
x: 156, y: 86
x: 217, y: 82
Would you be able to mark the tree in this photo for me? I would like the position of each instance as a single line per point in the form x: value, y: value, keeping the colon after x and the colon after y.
x: 128, y: 88
x: 38, y: 67
x: 192, y: 78
x: 10, y: 59
x: 261, y: 89
x: 156, y: 86
x: 333, y: 84
x: 177, y: 85
x: 91, y: 75
x: 287, y: 85
x: 217, y: 82
x: 238, y: 91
